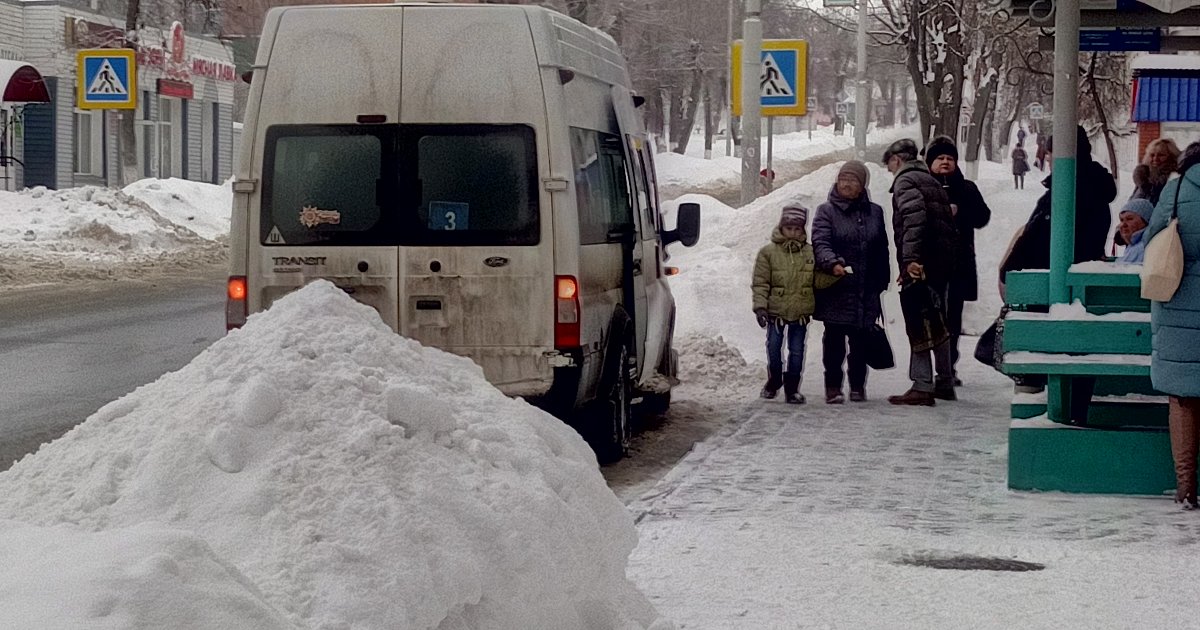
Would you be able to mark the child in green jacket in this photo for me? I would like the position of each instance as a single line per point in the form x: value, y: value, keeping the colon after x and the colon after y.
x: 785, y: 278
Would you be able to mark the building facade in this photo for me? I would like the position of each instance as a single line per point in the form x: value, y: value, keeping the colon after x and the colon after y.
x: 184, y: 109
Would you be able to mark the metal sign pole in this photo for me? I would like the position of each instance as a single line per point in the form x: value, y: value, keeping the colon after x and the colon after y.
x: 770, y: 150
x: 751, y: 100
x: 860, y: 77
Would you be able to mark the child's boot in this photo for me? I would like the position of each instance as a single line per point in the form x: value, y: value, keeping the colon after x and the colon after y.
x: 774, y: 380
x: 791, y: 389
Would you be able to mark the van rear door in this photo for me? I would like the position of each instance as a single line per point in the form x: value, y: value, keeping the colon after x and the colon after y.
x: 477, y: 248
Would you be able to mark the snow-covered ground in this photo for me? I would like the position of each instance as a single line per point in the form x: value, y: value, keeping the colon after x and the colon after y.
x: 314, y: 470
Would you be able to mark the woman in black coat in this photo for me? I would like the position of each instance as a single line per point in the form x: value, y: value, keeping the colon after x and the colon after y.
x: 850, y: 240
x: 971, y: 213
x: 1094, y: 191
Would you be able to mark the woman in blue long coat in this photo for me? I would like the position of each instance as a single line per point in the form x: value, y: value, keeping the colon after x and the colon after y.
x: 850, y: 240
x: 1175, y: 326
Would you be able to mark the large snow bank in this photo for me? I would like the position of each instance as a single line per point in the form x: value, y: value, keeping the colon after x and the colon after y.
x: 99, y: 233
x: 316, y: 468
x: 199, y: 207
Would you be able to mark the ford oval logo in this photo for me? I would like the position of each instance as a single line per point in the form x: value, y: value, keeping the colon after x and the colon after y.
x: 496, y: 261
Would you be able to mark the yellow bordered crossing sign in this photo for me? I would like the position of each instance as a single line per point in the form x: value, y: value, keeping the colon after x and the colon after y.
x: 106, y: 78
x: 782, y: 80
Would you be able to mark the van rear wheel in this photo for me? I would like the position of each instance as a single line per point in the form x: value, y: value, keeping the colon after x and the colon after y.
x: 612, y: 419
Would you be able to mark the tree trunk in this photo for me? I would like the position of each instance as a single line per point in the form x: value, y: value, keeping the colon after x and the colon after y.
x: 686, y: 118
x: 127, y: 136
x: 984, y: 102
x: 1018, y: 107
x: 710, y: 122
x: 1100, y: 113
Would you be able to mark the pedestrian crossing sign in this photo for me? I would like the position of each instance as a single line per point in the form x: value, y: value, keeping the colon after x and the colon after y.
x: 106, y: 78
x: 781, y: 80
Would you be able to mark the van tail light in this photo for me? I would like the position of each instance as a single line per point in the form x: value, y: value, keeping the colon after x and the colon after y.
x: 566, y: 313
x: 235, y: 303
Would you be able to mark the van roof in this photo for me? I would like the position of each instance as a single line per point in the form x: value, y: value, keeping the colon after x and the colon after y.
x: 561, y: 41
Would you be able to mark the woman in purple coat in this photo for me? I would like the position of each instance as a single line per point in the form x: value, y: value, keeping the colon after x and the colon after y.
x: 849, y: 240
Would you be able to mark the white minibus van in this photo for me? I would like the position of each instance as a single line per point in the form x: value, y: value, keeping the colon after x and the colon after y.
x: 480, y: 175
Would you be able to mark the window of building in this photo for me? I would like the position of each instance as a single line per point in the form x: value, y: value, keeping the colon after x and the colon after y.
x: 88, y: 143
x: 170, y: 137
x: 207, y: 164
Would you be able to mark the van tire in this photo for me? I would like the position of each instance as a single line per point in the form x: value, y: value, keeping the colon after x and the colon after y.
x: 611, y: 417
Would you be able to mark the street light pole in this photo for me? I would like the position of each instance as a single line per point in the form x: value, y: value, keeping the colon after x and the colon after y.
x: 751, y: 100
x: 729, y: 90
x: 860, y: 77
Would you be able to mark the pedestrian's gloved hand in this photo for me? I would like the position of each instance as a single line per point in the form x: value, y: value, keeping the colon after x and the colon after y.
x: 761, y: 315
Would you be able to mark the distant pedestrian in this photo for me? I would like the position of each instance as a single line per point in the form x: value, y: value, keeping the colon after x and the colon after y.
x: 785, y: 279
x: 1175, y: 326
x: 926, y: 243
x: 1040, y: 157
x: 1020, y: 166
x: 971, y: 213
x: 1134, y: 218
x: 1020, y: 136
x: 850, y: 242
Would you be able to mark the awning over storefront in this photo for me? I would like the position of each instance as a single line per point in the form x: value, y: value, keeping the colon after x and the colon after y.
x: 21, y: 83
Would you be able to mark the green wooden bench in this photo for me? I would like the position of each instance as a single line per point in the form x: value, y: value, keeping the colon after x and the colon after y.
x: 1098, y: 427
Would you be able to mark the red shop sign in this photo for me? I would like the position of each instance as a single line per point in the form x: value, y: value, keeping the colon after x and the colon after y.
x: 178, y: 89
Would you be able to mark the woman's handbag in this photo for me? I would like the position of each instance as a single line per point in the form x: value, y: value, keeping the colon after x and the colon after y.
x: 1162, y: 269
x: 985, y: 348
x: 879, y: 349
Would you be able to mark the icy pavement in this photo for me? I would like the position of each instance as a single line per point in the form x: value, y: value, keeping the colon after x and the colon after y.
x: 797, y: 517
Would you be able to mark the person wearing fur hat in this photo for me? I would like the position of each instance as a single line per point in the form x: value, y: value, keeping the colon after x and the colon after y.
x: 785, y: 279
x: 971, y: 213
x: 1134, y: 218
x: 850, y: 242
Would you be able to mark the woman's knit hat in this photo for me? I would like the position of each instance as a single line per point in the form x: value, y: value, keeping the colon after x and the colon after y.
x: 857, y: 169
x: 794, y: 215
x: 1141, y: 207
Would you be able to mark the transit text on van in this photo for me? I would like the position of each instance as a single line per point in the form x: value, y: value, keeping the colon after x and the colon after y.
x: 298, y: 260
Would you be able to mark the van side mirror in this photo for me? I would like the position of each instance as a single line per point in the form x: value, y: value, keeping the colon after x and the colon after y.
x: 687, y: 226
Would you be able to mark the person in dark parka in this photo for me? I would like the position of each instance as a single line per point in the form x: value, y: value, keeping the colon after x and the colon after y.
x: 926, y: 249
x: 971, y: 213
x: 1094, y: 191
x: 850, y: 241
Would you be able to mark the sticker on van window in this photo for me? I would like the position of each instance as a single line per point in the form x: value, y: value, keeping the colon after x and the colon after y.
x: 449, y: 215
x: 312, y: 216
x: 275, y: 237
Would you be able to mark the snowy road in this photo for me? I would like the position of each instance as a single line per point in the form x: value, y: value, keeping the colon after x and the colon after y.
x: 64, y: 352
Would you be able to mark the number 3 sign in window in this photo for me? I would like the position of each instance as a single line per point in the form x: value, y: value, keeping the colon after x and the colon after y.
x: 449, y: 215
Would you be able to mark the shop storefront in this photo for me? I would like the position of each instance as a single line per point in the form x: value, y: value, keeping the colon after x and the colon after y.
x: 184, y: 115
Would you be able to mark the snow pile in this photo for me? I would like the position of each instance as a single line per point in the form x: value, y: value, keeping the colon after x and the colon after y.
x: 99, y: 233
x: 317, y: 468
x: 199, y: 207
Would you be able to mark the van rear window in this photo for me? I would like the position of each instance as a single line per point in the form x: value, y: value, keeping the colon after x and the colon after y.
x: 416, y: 185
